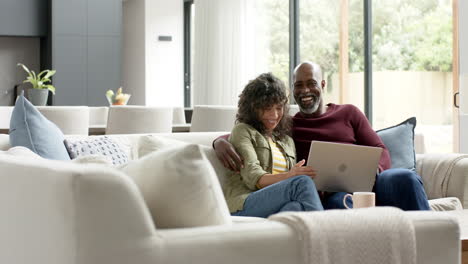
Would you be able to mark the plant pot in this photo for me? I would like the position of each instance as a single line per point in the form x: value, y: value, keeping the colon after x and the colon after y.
x: 38, y: 97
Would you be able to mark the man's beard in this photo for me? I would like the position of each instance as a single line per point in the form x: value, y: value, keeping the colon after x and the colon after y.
x: 310, y: 109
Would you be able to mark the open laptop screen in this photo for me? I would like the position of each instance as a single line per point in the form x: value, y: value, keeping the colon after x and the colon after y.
x: 344, y: 167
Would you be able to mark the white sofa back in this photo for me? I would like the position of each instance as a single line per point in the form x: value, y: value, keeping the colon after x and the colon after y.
x: 5, y: 116
x: 202, y: 138
x: 129, y: 143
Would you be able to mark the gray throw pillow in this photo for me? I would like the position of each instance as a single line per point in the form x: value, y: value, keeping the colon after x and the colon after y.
x: 399, y: 141
x: 101, y: 146
x: 30, y: 129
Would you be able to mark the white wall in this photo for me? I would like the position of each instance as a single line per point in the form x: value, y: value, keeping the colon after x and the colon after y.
x: 12, y: 51
x: 164, y: 59
x: 133, y: 51
x: 152, y: 70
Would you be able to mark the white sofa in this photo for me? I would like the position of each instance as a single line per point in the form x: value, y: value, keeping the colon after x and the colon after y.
x: 59, y: 212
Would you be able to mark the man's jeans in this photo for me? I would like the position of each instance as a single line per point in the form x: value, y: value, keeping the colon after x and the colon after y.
x: 401, y: 188
x: 294, y: 194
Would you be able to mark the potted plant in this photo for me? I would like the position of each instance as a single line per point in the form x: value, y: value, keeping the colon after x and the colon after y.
x: 40, y: 85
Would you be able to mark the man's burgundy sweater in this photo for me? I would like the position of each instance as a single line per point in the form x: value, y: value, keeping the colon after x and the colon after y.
x: 341, y: 124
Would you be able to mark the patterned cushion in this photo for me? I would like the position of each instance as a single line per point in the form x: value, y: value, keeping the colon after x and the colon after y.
x: 103, y: 146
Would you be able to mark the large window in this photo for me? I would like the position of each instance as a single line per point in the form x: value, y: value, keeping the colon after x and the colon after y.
x: 331, y: 34
x: 412, y: 67
x: 319, y: 24
x: 275, y: 22
x: 411, y: 56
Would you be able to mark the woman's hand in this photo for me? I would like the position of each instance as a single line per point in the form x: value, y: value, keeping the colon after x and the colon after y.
x: 296, y: 170
x: 300, y: 169
x: 228, y: 155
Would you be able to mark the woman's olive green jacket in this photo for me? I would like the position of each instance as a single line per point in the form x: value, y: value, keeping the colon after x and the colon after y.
x: 256, y: 152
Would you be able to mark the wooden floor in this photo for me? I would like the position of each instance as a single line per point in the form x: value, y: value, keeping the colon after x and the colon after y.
x: 464, y: 247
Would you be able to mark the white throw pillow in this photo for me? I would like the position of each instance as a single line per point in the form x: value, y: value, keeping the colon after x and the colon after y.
x: 151, y: 143
x: 445, y: 204
x: 180, y: 188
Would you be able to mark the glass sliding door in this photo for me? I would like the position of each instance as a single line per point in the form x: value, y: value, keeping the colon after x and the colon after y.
x: 273, y: 24
x: 331, y: 34
x: 319, y: 40
x: 412, y: 67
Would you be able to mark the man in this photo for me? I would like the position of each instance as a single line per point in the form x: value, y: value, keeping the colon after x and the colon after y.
x: 344, y: 124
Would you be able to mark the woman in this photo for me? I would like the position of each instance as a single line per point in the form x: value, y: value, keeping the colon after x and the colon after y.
x: 270, y: 180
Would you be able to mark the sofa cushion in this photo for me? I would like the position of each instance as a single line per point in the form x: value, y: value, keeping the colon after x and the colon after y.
x: 445, y: 204
x: 151, y: 143
x: 102, y: 146
x: 399, y: 140
x: 30, y: 129
x: 180, y: 188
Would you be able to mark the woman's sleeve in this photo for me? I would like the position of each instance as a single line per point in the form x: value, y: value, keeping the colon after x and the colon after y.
x: 242, y: 139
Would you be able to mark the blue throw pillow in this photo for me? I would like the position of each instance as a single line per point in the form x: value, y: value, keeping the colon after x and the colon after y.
x: 30, y: 129
x: 399, y: 141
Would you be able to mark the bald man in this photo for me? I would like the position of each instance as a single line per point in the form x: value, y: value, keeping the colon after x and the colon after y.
x: 401, y: 188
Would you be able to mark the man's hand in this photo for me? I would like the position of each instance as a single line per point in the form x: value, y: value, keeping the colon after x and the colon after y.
x: 300, y: 169
x: 228, y: 155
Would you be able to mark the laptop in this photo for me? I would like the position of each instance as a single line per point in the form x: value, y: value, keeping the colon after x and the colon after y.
x: 344, y: 167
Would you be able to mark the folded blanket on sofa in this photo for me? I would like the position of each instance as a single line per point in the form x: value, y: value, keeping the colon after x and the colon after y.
x: 380, y: 235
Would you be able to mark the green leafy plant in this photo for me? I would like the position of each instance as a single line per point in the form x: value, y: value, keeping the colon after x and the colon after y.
x: 39, y: 81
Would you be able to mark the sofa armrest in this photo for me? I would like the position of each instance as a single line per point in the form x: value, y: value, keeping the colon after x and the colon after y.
x: 437, y: 241
x: 444, y: 175
x: 265, y: 242
x: 437, y: 237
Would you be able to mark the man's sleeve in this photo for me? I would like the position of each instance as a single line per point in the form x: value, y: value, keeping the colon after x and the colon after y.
x: 366, y: 136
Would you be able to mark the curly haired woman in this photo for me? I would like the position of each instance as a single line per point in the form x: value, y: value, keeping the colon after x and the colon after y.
x: 270, y: 181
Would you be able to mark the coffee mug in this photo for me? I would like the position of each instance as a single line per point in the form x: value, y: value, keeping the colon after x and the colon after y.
x: 361, y: 199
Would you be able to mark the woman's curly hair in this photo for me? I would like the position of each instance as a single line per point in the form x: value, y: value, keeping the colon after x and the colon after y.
x: 264, y: 91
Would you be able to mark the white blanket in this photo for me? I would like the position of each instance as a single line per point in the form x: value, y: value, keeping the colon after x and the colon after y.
x: 381, y: 235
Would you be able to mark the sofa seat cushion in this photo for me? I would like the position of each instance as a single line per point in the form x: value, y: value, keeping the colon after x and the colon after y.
x: 180, y: 188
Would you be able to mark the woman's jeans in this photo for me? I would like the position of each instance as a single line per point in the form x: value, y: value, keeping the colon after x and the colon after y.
x: 294, y: 194
x: 401, y: 188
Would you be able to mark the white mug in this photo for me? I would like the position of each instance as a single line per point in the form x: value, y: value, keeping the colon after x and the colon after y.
x: 361, y: 199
